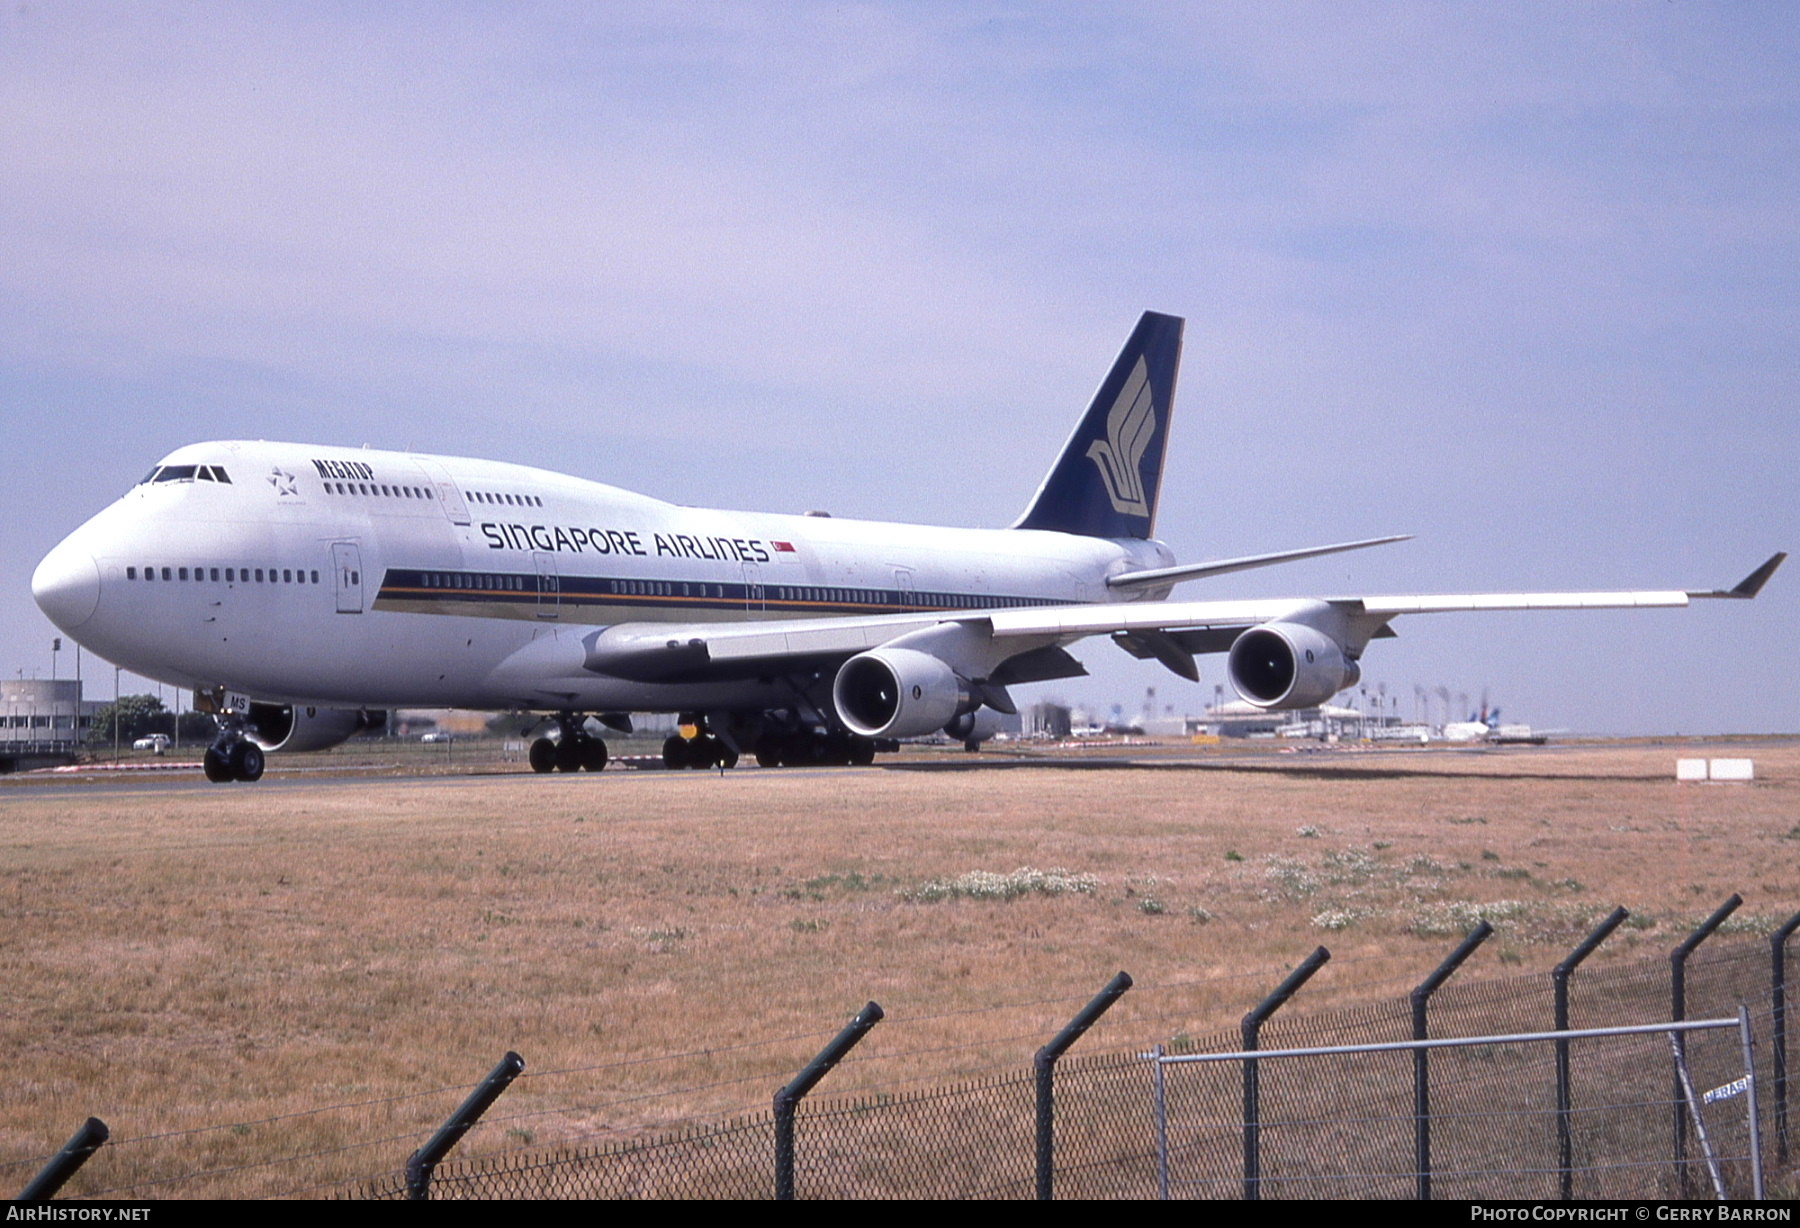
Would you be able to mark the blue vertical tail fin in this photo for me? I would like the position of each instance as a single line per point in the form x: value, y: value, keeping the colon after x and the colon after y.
x: 1107, y: 477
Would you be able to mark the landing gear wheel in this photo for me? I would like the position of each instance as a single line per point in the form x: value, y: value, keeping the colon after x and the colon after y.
x: 862, y: 752
x: 768, y: 751
x: 543, y: 755
x: 216, y: 766
x: 568, y: 755
x: 727, y: 757
x: 247, y: 761
x: 593, y: 754
x: 675, y: 752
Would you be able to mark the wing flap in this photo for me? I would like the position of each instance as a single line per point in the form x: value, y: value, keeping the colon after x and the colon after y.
x: 1453, y: 603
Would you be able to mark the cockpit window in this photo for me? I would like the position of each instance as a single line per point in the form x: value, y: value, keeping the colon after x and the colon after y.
x: 186, y: 473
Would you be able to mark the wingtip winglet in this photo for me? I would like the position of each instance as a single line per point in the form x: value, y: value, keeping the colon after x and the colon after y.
x: 1751, y: 584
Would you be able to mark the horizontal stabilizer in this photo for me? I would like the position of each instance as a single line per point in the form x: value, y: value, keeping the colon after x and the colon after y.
x: 1199, y: 571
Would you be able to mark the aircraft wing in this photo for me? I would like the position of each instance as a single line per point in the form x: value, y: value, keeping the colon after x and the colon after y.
x: 978, y: 645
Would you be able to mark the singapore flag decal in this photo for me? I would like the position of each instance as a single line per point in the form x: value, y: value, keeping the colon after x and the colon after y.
x: 1129, y: 428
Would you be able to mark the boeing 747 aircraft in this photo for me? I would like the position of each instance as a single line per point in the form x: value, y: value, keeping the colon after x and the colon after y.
x: 300, y: 590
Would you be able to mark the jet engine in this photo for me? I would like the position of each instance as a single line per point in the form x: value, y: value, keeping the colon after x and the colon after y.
x: 898, y: 693
x: 974, y: 728
x: 1289, y: 665
x: 277, y: 727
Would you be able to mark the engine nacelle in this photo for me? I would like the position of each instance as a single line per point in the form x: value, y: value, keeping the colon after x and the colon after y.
x: 974, y: 728
x: 1289, y: 665
x: 898, y: 693
x: 278, y: 727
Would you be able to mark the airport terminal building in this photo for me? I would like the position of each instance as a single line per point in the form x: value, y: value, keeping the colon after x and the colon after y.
x: 40, y: 716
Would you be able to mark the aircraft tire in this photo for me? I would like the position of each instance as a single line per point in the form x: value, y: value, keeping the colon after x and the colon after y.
x: 862, y: 752
x: 247, y: 761
x: 675, y: 752
x: 543, y: 755
x: 768, y: 751
x: 727, y: 758
x: 593, y: 754
x: 568, y: 755
x: 216, y: 766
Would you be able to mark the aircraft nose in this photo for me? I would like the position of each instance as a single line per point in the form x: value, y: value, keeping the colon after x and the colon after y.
x: 66, y: 586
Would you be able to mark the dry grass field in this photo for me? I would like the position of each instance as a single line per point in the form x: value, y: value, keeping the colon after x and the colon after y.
x: 339, y: 952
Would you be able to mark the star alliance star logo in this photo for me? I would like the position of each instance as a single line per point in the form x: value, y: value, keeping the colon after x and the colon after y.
x: 1128, y: 430
x: 284, y: 483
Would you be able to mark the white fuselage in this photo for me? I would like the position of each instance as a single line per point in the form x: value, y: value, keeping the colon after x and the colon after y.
x: 316, y: 575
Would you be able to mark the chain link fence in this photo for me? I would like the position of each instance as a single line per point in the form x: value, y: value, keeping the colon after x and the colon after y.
x: 1340, y: 1127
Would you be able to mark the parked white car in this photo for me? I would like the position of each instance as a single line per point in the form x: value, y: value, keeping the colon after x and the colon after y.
x: 156, y: 743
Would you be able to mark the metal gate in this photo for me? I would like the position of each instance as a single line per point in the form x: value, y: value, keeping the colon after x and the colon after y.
x: 1343, y: 1120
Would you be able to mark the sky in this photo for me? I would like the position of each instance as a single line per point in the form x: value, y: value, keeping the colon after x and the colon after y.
x: 1522, y: 280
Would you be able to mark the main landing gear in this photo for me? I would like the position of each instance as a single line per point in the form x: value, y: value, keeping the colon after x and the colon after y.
x: 571, y: 751
x: 232, y: 756
x: 701, y: 751
x: 813, y: 748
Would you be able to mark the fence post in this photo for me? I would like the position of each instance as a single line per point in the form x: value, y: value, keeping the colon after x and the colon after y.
x: 425, y: 1160
x: 1250, y: 1029
x: 1778, y: 1000
x: 1044, y: 1065
x: 1559, y: 979
x: 1750, y: 1106
x: 82, y: 1144
x: 1678, y: 1012
x: 788, y: 1099
x: 1421, y: 999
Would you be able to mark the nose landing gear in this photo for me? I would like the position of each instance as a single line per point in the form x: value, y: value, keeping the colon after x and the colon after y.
x: 233, y: 756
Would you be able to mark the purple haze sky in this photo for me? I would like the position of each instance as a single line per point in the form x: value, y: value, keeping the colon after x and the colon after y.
x: 1520, y: 279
